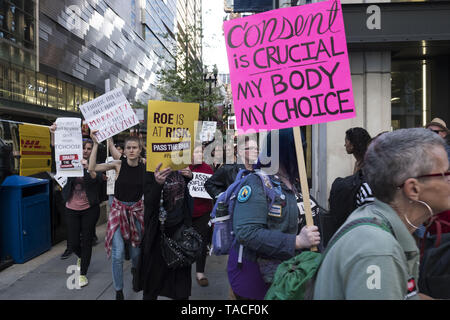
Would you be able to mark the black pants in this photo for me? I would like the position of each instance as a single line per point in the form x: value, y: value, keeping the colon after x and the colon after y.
x: 200, y: 224
x: 82, y: 223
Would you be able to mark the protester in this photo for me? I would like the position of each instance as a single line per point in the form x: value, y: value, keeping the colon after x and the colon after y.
x: 356, y: 142
x: 439, y: 127
x: 81, y: 197
x: 406, y: 170
x: 169, y: 188
x: 351, y: 192
x: 126, y: 219
x: 201, y: 216
x: 225, y: 175
x: 274, y: 234
x: 87, y: 149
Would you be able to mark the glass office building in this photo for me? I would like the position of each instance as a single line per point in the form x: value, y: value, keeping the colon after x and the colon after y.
x: 56, y: 55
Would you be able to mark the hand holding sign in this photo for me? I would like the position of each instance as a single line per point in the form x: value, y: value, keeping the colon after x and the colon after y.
x: 161, y: 176
x: 186, y: 172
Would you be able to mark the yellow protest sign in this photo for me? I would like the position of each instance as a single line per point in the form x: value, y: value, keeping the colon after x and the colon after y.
x: 170, y: 134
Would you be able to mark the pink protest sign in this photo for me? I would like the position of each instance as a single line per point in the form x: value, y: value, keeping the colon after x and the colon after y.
x: 289, y: 67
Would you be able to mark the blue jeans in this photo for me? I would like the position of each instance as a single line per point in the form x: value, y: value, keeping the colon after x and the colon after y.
x: 118, y: 255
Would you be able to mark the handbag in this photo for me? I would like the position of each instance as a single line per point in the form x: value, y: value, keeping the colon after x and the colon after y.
x: 183, y: 249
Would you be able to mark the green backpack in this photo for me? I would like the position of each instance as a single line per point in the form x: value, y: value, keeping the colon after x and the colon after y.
x: 295, y: 278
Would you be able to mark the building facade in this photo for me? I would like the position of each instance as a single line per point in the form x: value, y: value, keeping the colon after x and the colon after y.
x: 56, y: 55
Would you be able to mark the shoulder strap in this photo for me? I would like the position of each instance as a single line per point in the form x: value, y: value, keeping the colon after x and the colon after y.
x: 384, y: 225
x: 269, y: 189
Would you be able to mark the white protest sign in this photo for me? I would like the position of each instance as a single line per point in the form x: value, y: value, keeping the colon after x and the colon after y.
x: 140, y: 114
x: 197, y: 185
x: 68, y: 147
x: 110, y: 114
x: 62, y: 181
x: 111, y: 176
x: 208, y: 130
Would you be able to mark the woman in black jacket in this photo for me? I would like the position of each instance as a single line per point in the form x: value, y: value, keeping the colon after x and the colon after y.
x: 168, y: 188
x: 81, y: 197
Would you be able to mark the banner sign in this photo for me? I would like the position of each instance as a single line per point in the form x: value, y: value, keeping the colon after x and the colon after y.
x: 208, y: 131
x: 289, y: 67
x: 197, y: 185
x: 68, y: 147
x: 110, y: 114
x: 170, y: 134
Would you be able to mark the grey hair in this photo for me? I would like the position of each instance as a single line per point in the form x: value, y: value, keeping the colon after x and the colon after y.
x: 396, y: 156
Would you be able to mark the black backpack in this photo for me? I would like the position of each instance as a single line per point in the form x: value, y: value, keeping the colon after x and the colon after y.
x: 342, y: 202
x: 434, y: 270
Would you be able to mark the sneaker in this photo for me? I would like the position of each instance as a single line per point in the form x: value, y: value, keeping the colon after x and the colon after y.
x: 66, y: 254
x: 119, y: 295
x: 79, y: 264
x: 82, y: 281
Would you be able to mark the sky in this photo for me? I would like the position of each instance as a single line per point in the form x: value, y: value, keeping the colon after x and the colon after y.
x: 214, y: 51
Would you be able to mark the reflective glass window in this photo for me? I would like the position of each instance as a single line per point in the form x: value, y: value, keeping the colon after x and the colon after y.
x: 61, y: 95
x: 30, y: 86
x: 407, y: 93
x: 70, y: 97
x: 84, y: 96
x: 52, y: 92
x: 77, y: 98
x: 41, y: 89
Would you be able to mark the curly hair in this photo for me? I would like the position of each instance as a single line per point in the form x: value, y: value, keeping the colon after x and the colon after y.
x: 360, y: 140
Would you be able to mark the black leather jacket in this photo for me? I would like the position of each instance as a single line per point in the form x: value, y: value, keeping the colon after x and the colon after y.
x: 222, y: 179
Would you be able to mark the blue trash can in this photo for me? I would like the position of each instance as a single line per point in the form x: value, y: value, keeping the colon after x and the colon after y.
x: 25, y: 218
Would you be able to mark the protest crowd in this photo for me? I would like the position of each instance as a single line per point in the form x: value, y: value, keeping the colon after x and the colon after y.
x: 384, y: 233
x: 372, y: 243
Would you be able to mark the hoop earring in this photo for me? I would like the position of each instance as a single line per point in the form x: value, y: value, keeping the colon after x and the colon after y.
x: 409, y: 222
x: 429, y: 209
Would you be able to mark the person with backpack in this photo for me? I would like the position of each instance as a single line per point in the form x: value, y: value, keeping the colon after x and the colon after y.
x: 356, y: 141
x: 377, y: 257
x: 267, y: 229
x: 224, y: 176
x: 351, y: 192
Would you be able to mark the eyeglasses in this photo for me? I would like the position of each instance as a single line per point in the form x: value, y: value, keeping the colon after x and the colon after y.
x: 251, y: 149
x: 443, y: 175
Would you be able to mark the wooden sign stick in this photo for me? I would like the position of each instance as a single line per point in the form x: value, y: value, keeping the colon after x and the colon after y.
x: 303, y: 179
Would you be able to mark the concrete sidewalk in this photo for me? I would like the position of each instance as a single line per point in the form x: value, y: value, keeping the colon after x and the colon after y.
x: 45, y: 278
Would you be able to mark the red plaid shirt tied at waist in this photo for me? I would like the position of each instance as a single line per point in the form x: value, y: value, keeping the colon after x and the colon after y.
x: 118, y: 218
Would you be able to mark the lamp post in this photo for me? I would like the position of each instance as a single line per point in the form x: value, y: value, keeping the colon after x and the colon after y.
x: 210, y: 78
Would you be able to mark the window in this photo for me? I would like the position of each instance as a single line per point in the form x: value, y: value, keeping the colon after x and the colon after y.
x: 52, y: 93
x: 41, y: 89
x: 4, y: 82
x: 407, y: 93
x: 30, y: 87
x: 77, y: 98
x: 17, y: 84
x: 70, y: 97
x: 61, y: 95
x: 85, y: 96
